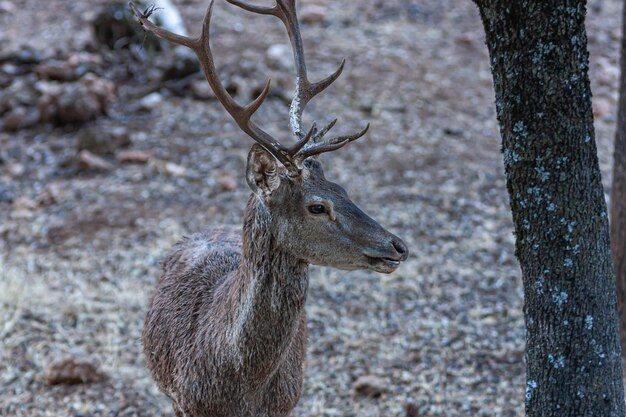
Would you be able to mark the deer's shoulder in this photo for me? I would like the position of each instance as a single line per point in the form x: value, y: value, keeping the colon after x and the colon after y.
x: 216, y: 249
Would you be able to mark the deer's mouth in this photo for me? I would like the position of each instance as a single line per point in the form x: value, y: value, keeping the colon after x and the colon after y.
x: 383, y: 264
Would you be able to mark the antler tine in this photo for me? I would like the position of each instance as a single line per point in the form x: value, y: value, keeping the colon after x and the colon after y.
x: 241, y: 114
x: 302, y: 142
x: 255, y: 9
x: 330, y: 145
x: 319, y: 135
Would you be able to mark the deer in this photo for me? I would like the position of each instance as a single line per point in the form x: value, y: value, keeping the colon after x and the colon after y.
x: 225, y: 334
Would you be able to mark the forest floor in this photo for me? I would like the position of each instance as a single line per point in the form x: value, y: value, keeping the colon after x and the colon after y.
x: 80, y: 248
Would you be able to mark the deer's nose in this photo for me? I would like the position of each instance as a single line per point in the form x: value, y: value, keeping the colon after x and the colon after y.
x: 401, y: 249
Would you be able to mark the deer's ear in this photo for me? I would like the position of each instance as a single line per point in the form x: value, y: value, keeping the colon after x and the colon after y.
x: 262, y: 171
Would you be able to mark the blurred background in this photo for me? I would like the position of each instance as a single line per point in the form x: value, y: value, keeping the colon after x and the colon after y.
x: 112, y: 148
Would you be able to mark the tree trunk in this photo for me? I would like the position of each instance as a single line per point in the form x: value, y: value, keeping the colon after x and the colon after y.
x: 618, y: 195
x: 539, y: 61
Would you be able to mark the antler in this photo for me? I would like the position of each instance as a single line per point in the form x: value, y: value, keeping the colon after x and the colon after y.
x: 291, y: 157
x: 285, y: 10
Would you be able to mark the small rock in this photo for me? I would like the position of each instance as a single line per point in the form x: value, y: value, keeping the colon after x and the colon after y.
x: 48, y: 88
x: 7, y: 102
x: 412, y: 410
x: 15, y: 119
x: 313, y: 13
x: 453, y: 131
x: 370, y: 386
x: 25, y: 203
x: 279, y: 57
x: 175, y: 169
x: 23, y: 90
x: 602, y: 107
x: 76, y: 59
x: 89, y: 161
x: 16, y: 169
x: 102, y: 89
x: 168, y: 168
x: 201, y: 90
x: 151, y: 101
x: 75, y: 102
x: 7, y: 7
x: 48, y: 196
x: 20, y: 118
x: 56, y: 70
x: 103, y: 141
x: 133, y: 156
x: 227, y: 182
x: 75, y: 106
x: 28, y: 56
x: 10, y: 69
x: 467, y: 39
x: 76, y: 368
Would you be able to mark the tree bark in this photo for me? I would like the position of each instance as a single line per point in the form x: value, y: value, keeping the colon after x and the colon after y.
x: 618, y: 194
x: 539, y: 61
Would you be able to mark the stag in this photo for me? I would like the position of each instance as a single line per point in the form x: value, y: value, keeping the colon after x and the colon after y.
x: 226, y: 332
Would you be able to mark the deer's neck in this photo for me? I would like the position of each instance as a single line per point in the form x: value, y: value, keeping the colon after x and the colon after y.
x: 269, y: 293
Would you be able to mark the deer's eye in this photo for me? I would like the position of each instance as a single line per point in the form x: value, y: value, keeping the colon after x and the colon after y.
x: 317, y: 209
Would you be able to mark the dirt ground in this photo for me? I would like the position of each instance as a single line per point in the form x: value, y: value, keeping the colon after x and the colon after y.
x: 80, y: 249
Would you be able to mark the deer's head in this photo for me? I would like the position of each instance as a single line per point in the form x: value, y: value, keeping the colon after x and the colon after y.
x: 314, y: 218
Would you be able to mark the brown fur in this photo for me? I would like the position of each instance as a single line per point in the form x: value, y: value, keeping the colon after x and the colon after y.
x: 225, y: 334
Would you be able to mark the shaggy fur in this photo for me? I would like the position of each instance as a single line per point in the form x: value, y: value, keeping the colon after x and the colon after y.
x: 225, y: 335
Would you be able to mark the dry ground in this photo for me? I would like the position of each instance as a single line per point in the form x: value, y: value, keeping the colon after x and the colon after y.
x: 445, y: 331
